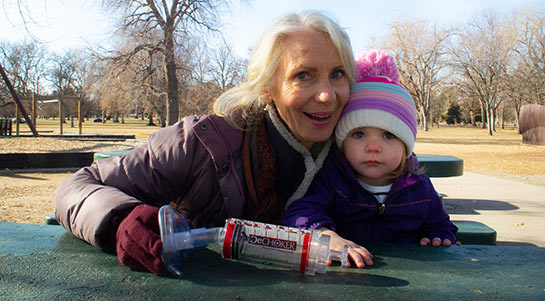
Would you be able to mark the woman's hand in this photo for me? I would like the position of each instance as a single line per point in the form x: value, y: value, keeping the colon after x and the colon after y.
x: 358, y: 254
x: 436, y: 242
x: 139, y: 243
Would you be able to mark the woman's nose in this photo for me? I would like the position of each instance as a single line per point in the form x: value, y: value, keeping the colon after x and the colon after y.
x: 325, y: 92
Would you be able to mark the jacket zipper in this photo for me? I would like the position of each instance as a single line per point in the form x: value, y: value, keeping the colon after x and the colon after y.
x: 381, y: 208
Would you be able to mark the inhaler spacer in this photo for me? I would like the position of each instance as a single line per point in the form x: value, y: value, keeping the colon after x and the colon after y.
x: 304, y: 250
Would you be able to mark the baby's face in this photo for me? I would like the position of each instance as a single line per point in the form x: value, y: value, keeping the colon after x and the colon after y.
x: 373, y: 153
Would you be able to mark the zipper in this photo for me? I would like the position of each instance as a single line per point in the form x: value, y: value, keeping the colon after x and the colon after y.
x: 381, y: 208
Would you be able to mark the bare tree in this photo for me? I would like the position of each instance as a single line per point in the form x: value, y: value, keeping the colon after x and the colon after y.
x: 170, y: 17
x: 531, y: 53
x: 25, y: 63
x: 226, y: 68
x: 482, y: 56
x: 519, y: 88
x: 62, y: 73
x: 420, y: 51
x: 142, y: 86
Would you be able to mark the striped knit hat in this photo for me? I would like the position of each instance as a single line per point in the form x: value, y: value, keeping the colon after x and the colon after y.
x: 378, y: 100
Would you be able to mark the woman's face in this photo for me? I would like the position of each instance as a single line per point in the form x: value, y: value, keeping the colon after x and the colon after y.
x: 310, y: 87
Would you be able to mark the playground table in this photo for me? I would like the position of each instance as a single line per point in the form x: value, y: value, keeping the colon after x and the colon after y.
x: 441, y: 165
x: 47, y: 263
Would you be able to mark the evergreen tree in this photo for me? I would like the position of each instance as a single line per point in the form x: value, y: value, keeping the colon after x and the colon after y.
x: 454, y: 114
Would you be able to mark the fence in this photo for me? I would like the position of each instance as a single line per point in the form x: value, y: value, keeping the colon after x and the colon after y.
x: 5, y: 127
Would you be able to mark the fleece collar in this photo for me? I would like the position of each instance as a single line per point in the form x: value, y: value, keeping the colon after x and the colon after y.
x: 312, y: 166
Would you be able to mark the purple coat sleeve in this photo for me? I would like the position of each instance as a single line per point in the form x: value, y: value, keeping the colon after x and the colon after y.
x: 93, y: 201
x: 312, y: 210
x: 438, y: 223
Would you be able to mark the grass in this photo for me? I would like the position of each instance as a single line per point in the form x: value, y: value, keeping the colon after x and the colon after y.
x: 502, y: 153
x: 132, y: 126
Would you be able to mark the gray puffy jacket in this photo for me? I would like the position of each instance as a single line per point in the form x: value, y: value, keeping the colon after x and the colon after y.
x: 196, y: 164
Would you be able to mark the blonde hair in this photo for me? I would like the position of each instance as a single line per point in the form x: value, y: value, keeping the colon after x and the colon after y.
x: 244, y: 100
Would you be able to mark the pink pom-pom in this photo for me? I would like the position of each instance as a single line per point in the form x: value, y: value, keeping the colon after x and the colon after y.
x: 376, y: 63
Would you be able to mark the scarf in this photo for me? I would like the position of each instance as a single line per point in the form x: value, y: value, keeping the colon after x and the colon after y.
x: 277, y: 168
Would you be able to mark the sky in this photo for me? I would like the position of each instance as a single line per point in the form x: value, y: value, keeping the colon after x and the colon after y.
x: 66, y: 24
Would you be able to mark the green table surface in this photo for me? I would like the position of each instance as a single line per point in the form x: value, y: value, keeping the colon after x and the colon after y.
x: 44, y: 262
x: 441, y: 165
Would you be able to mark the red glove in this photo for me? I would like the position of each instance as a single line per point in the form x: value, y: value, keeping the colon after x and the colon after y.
x: 138, y: 241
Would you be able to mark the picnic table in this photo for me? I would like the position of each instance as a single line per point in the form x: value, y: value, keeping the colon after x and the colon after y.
x: 48, y: 263
x: 441, y: 165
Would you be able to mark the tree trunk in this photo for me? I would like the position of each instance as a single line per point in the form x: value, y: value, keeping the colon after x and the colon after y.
x: 494, y: 117
x: 517, y: 111
x: 424, y: 119
x: 484, y: 113
x: 490, y: 120
x: 171, y: 79
x: 502, y: 117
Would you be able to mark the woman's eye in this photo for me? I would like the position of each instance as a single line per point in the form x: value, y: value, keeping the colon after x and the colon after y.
x: 389, y: 136
x: 337, y: 74
x: 302, y: 76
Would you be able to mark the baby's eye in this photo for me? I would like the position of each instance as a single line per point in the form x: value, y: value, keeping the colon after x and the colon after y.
x: 389, y: 136
x: 358, y: 134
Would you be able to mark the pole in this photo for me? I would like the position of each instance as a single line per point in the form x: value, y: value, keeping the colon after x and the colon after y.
x: 34, y: 112
x: 18, y: 102
x: 80, y: 115
x: 17, y: 114
x: 61, y: 117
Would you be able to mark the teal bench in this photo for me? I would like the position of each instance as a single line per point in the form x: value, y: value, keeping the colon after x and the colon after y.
x: 475, y: 233
x: 112, y: 153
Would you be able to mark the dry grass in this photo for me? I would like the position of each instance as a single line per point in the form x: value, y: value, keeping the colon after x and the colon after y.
x: 501, y: 155
x: 132, y: 126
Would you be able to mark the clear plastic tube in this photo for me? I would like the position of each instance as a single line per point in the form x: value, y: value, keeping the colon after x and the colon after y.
x: 248, y: 241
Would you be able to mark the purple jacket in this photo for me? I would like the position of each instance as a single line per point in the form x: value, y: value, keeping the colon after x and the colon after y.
x: 335, y: 199
x: 195, y: 164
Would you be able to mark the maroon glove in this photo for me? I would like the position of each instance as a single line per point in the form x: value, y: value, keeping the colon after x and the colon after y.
x: 138, y: 242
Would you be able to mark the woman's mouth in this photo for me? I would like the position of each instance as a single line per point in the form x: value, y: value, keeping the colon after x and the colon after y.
x: 319, y: 118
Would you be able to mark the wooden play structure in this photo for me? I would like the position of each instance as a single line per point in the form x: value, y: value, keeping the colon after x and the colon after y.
x: 31, y: 122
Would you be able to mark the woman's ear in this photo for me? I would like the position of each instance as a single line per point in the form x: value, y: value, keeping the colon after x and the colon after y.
x: 267, y: 97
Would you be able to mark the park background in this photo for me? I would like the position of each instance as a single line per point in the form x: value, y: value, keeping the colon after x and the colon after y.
x: 470, y: 68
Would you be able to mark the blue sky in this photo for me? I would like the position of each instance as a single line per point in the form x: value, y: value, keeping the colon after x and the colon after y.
x: 65, y: 24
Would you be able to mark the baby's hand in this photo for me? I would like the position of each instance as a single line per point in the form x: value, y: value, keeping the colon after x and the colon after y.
x: 436, y: 242
x: 360, y: 255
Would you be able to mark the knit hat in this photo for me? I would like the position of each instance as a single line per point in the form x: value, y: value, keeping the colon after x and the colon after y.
x: 378, y: 100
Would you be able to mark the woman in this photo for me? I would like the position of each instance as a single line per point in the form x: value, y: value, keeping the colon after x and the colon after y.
x: 258, y: 152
